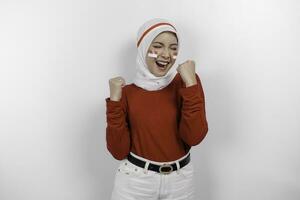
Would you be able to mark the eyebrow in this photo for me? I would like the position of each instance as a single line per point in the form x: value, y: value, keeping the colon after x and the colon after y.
x: 163, y: 44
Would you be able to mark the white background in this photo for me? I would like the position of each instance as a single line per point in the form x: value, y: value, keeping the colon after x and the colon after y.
x: 57, y: 56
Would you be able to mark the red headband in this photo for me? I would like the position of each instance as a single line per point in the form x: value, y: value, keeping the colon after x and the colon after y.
x: 152, y: 27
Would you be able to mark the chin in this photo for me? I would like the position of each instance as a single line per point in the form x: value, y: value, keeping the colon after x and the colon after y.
x: 156, y: 72
x: 159, y: 74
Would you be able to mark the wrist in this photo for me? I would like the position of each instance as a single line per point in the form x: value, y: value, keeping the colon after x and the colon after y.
x: 190, y: 83
x: 114, y: 99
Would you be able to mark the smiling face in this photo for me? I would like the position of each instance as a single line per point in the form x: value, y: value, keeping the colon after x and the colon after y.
x: 162, y: 53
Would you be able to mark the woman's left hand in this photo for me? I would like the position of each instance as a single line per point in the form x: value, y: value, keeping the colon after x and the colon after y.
x: 187, y: 72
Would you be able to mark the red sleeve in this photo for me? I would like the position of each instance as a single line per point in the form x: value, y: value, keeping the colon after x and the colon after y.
x: 193, y: 124
x: 117, y: 130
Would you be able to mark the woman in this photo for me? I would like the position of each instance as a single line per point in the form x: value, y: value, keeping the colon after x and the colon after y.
x: 153, y: 122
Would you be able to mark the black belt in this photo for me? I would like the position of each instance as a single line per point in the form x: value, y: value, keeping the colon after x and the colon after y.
x: 164, y: 169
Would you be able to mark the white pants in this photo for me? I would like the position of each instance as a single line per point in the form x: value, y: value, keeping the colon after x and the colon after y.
x: 135, y: 183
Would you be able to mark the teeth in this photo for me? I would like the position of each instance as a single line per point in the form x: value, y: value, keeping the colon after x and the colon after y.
x: 162, y: 63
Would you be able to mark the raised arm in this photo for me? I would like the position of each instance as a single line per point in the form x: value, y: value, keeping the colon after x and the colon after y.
x: 117, y: 129
x: 193, y: 125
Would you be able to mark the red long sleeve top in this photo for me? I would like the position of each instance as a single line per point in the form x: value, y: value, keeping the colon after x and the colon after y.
x: 159, y: 125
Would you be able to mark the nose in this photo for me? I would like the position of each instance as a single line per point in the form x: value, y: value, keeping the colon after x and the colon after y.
x: 166, y: 54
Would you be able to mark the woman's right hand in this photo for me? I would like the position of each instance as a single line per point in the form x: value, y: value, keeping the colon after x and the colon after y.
x: 115, y: 87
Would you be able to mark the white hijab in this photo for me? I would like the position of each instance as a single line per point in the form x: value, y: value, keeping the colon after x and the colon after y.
x: 146, y: 33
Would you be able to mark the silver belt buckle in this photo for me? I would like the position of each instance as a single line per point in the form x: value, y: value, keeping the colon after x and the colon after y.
x: 165, y: 172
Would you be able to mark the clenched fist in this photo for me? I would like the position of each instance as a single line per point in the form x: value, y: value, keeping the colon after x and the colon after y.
x: 115, y: 87
x: 187, y: 72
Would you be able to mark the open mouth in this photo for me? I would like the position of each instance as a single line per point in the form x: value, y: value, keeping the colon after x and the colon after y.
x: 162, y: 64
